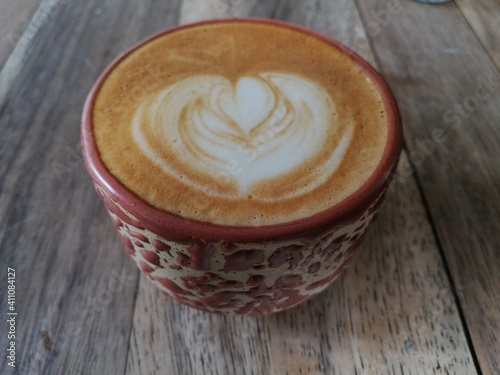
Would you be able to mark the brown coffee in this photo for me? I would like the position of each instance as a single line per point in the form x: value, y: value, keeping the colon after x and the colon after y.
x: 240, y: 123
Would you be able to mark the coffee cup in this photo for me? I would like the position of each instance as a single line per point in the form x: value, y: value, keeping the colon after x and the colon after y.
x: 241, y: 161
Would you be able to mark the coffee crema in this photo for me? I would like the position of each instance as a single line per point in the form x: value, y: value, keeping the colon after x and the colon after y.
x: 239, y: 123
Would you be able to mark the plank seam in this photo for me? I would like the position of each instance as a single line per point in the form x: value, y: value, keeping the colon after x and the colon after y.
x: 179, y: 11
x: 425, y: 204
x: 130, y: 335
x: 15, y: 63
x: 446, y: 268
x: 276, y: 8
x: 492, y: 61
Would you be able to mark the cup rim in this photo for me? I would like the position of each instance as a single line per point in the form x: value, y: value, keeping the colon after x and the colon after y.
x: 177, y: 228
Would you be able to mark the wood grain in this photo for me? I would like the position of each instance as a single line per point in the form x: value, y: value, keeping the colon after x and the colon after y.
x: 200, y: 10
x: 15, y: 17
x: 422, y: 296
x: 73, y: 279
x: 377, y: 320
x: 484, y: 19
x: 446, y: 84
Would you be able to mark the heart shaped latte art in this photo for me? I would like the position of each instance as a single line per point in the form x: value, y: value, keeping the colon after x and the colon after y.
x: 207, y: 128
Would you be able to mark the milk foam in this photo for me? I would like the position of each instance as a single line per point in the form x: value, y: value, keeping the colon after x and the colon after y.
x: 239, y: 123
x: 258, y: 128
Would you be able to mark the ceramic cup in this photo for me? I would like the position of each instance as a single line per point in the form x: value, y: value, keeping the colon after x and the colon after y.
x: 244, y: 270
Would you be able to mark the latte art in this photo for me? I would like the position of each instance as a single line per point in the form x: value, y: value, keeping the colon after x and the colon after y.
x: 253, y: 130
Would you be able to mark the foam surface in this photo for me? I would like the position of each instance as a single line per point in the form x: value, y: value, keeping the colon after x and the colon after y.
x: 213, y: 124
x: 258, y: 129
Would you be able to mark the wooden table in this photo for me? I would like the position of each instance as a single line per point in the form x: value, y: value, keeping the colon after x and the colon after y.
x: 423, y: 297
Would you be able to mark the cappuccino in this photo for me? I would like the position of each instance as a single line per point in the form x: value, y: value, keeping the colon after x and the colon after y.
x: 239, y: 124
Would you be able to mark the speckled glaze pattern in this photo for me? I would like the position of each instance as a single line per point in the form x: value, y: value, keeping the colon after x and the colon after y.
x: 242, y: 278
x: 243, y: 270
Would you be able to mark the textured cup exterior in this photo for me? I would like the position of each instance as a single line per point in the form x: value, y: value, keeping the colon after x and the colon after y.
x: 243, y: 270
x: 242, y: 278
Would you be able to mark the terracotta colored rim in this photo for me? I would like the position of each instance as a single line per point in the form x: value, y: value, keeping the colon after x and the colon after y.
x: 177, y: 228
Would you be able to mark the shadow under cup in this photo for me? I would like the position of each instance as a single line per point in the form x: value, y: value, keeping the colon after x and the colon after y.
x: 244, y: 270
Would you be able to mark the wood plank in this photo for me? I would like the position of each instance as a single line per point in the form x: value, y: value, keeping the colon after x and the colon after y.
x: 340, y: 22
x: 447, y: 86
x: 484, y: 18
x: 393, y: 312
x: 75, y: 286
x: 200, y: 10
x: 15, y: 16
